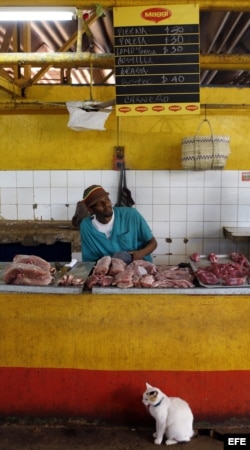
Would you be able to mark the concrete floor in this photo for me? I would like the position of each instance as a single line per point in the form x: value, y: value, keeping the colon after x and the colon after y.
x: 76, y: 435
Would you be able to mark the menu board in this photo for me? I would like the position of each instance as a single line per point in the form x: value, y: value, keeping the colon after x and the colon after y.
x: 157, y: 66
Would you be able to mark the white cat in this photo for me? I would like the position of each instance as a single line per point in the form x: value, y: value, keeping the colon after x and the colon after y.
x: 173, y: 416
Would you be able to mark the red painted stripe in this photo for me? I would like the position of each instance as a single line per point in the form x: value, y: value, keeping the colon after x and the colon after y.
x: 116, y: 395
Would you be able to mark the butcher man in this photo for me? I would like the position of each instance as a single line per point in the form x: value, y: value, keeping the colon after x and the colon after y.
x: 115, y: 231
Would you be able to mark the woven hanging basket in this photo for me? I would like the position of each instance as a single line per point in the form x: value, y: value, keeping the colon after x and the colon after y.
x: 205, y: 152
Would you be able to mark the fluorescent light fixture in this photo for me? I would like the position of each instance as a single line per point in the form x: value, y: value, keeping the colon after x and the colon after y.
x: 29, y: 13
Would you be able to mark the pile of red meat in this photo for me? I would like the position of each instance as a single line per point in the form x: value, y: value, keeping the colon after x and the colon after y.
x: 28, y: 270
x: 232, y: 273
x: 110, y: 271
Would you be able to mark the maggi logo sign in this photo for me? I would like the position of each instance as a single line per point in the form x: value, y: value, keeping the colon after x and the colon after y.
x: 156, y: 14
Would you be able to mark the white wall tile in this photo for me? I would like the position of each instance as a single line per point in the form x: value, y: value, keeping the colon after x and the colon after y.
x: 163, y: 247
x: 59, y: 195
x: 212, y: 213
x: 43, y: 212
x: 8, y: 178
x: 144, y: 178
x: 25, y: 178
x: 178, y: 178
x: 41, y: 178
x: 178, y: 195
x: 227, y: 247
x: 59, y: 212
x: 195, y: 179
x: 161, y: 229
x: 176, y: 204
x: 161, y: 260
x: 25, y: 212
x: 25, y: 196
x: 213, y: 178
x: 161, y: 178
x: 212, y: 196
x: 110, y: 178
x: 211, y: 246
x: 195, y: 245
x: 76, y: 179
x: 230, y: 178
x: 9, y: 212
x: 195, y: 213
x: 92, y: 177
x: 144, y: 196
x: 195, y: 229
x: 212, y: 230
x: 178, y: 230
x: 178, y: 213
x: 71, y: 211
x: 130, y: 177
x: 229, y: 195
x: 58, y: 178
x: 113, y: 194
x: 178, y: 246
x: 228, y: 212
x: 244, y: 196
x: 195, y: 195
x: 146, y: 211
x: 244, y: 214
x: 176, y: 259
x: 161, y: 213
x: 161, y: 196
x: 42, y: 195
x: 9, y: 196
x: 74, y: 195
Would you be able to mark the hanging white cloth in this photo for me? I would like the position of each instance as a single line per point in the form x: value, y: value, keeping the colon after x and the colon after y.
x: 81, y: 120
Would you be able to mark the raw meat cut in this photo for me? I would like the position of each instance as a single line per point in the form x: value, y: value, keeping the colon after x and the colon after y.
x: 140, y: 274
x: 92, y: 280
x: 124, y: 279
x: 106, y: 280
x: 175, y: 273
x: 26, y: 274
x: 195, y: 257
x: 234, y: 281
x: 117, y: 266
x: 213, y: 258
x: 239, y: 258
x: 102, y: 266
x: 150, y: 267
x: 207, y: 277
x: 32, y: 259
x: 223, y: 270
x: 70, y: 280
x: 147, y: 281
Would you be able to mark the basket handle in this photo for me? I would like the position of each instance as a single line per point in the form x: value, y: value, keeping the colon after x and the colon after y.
x: 196, y: 135
x: 201, y: 123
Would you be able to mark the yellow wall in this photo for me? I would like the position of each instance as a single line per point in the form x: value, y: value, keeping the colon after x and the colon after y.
x: 88, y: 331
x: 43, y: 141
x: 90, y: 355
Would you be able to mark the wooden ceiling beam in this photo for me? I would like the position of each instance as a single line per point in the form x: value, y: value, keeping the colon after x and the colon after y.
x: 212, y: 5
x: 106, y: 60
x: 10, y: 87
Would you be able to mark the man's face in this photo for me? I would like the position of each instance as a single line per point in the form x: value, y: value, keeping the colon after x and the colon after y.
x: 102, y: 209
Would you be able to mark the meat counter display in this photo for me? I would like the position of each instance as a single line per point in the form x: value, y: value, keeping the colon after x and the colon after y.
x: 111, y: 275
x: 221, y: 270
x: 30, y: 273
x: 139, y: 274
